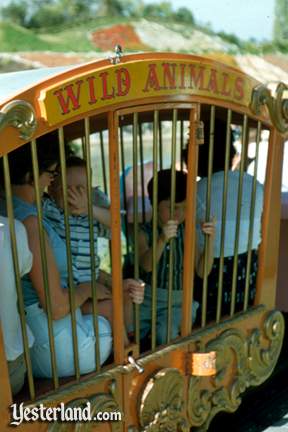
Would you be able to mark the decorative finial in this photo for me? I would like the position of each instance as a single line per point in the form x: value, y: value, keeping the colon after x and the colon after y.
x: 118, y: 54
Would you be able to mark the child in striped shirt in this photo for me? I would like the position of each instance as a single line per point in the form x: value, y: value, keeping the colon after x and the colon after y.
x: 76, y: 178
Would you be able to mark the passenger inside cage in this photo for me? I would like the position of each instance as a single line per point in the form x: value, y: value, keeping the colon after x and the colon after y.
x: 24, y: 202
x: 217, y: 185
x: 76, y: 179
x: 168, y: 229
x: 9, y: 315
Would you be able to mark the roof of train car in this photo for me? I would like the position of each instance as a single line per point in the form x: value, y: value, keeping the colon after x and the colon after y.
x: 12, y: 83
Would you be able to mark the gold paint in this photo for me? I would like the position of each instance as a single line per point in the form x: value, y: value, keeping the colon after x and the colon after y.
x: 20, y: 115
x: 108, y: 85
x: 101, y: 402
x: 161, y: 403
x: 253, y: 357
x: 277, y: 105
x: 262, y: 361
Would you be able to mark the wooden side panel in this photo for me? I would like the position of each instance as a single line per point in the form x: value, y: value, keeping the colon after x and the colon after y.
x: 268, y: 253
x: 282, y: 280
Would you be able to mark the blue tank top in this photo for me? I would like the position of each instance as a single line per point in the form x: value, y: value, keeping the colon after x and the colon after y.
x: 22, y: 210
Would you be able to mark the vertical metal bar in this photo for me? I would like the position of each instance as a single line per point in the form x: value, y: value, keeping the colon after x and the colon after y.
x: 154, y: 229
x: 181, y: 143
x: 172, y: 208
x: 14, y: 249
x: 117, y: 290
x: 83, y: 143
x: 123, y: 168
x: 160, y: 145
x: 135, y: 220
x: 190, y: 223
x: 44, y: 262
x: 207, y: 215
x: 103, y: 162
x: 87, y: 154
x: 238, y: 220
x: 68, y: 251
x: 142, y: 173
x: 251, y: 221
x: 223, y: 221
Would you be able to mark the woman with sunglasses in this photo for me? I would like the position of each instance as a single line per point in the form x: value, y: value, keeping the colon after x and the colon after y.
x: 24, y: 202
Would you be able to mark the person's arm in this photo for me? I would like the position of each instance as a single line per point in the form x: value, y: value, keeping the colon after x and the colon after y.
x: 78, y: 203
x: 145, y: 252
x: 208, y: 228
x: 60, y: 306
x: 102, y: 215
x: 105, y: 278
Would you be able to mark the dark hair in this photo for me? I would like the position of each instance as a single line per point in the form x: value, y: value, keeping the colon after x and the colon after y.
x: 164, y: 186
x: 20, y: 160
x: 219, y: 149
x: 75, y: 162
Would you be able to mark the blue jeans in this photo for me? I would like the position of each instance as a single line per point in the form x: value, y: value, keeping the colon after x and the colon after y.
x: 162, y: 314
x: 62, y: 329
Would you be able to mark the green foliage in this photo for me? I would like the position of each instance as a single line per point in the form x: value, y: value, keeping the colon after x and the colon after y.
x: 14, y: 38
x: 184, y: 15
x: 158, y: 10
x: 53, y: 24
x: 281, y: 21
x: 16, y: 12
x: 46, y: 16
x: 231, y: 38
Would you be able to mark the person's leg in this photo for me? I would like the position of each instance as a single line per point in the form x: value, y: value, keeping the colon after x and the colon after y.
x: 17, y: 371
x: 146, y: 313
x: 64, y: 348
x: 105, y: 309
x: 162, y: 318
x: 253, y: 277
x: 176, y: 315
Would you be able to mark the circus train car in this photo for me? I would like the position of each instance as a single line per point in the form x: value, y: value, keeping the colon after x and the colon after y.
x: 129, y: 118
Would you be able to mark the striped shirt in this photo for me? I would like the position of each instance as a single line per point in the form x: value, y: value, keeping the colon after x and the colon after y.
x: 163, y: 263
x: 79, y: 239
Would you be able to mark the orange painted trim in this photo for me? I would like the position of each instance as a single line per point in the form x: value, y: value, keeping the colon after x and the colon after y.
x: 190, y: 223
x: 117, y: 289
x: 269, y: 248
x: 215, y: 77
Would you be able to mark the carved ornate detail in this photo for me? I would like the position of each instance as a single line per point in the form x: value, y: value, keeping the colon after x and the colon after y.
x: 263, y: 360
x: 161, y: 403
x: 101, y: 402
x: 253, y: 358
x: 277, y: 106
x: 20, y: 115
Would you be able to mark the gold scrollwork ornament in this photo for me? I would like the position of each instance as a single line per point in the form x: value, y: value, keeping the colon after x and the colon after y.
x: 161, y: 403
x: 101, y: 402
x: 277, y: 105
x: 20, y: 115
x: 263, y: 360
x: 254, y: 356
